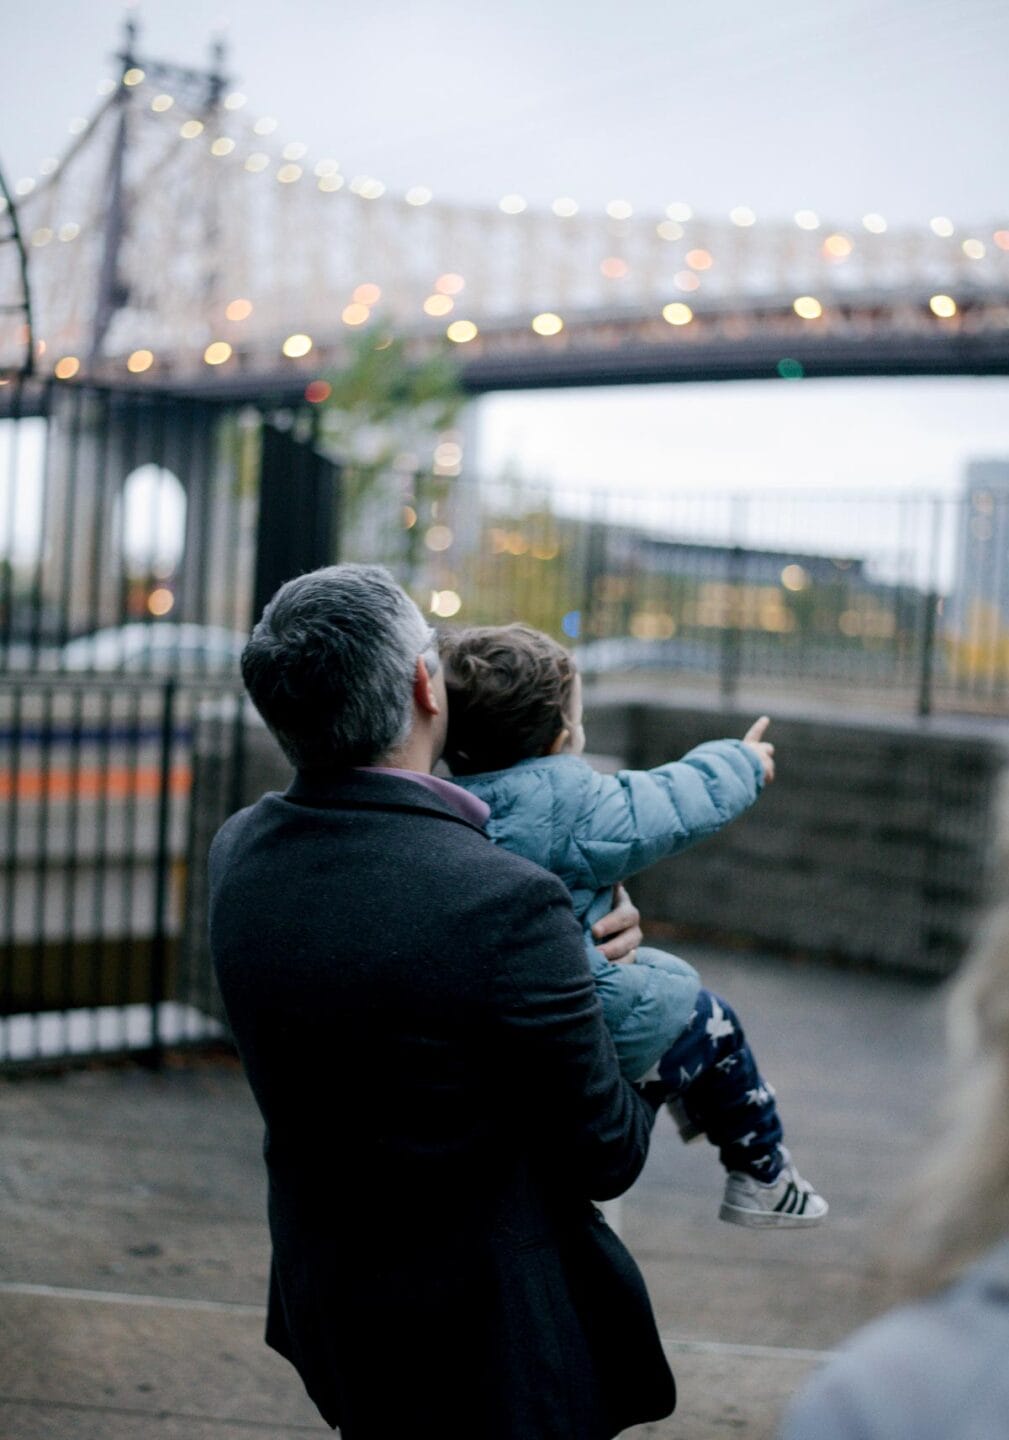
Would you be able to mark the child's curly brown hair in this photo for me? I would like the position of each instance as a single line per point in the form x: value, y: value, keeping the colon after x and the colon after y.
x: 509, y: 692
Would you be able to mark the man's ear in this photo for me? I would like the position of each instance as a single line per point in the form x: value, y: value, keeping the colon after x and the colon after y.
x: 423, y: 690
x: 561, y: 740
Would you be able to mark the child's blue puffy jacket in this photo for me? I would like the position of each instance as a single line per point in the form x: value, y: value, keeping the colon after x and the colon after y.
x: 595, y: 830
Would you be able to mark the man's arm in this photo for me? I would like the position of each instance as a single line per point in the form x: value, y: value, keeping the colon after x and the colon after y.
x: 553, y: 1036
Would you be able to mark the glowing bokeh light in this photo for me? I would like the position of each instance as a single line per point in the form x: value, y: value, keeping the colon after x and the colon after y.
x: 699, y: 259
x: 837, y: 247
x: 161, y: 103
x: 614, y: 268
x: 355, y: 314
x: 941, y: 225
x: 296, y: 345
x: 445, y: 603
x: 678, y: 211
x: 669, y: 230
x: 807, y: 307
x: 438, y: 538
x: 449, y: 452
x: 512, y: 204
x: 235, y: 100
x: 257, y: 161
x: 943, y: 305
x: 449, y: 284
x: 619, y: 210
x: 676, y: 313
x: 239, y: 309
x: 222, y: 146
x: 160, y: 601
x: 794, y: 577
x: 66, y: 367
x: 565, y: 207
x: 316, y: 391
x: 439, y: 305
x: 461, y: 332
x: 265, y: 125
x: 140, y: 361
x: 418, y: 195
x: 547, y: 323
x: 686, y: 280
x: 288, y: 174
x: 133, y: 76
x: 70, y: 231
x: 875, y: 224
x: 367, y: 294
x: 1001, y: 238
x: 973, y: 249
x: 807, y: 219
x: 743, y: 216
x: 189, y: 129
x: 217, y: 352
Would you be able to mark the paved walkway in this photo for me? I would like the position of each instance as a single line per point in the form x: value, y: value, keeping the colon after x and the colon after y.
x: 133, y: 1250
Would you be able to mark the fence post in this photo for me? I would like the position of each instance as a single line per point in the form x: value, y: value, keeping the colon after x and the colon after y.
x: 926, y: 667
x: 162, y: 863
x: 728, y: 675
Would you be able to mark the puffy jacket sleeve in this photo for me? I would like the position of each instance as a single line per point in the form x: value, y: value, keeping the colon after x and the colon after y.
x: 639, y: 816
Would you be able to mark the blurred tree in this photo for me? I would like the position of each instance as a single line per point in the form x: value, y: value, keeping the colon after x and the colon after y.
x: 386, y: 412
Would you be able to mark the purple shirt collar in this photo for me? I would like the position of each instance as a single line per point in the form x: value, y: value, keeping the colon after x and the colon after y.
x: 468, y: 807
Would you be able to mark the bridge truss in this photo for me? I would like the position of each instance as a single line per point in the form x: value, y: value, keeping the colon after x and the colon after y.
x: 179, y: 241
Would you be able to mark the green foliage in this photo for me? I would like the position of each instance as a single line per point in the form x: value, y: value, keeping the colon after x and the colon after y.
x: 384, y: 402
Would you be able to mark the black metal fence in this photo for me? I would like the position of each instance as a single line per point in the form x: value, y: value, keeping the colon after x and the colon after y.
x: 140, y: 534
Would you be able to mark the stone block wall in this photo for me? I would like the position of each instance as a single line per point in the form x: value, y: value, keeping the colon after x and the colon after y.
x: 872, y: 845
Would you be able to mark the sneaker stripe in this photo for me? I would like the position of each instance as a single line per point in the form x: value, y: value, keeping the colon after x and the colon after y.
x: 802, y: 1204
x: 787, y: 1202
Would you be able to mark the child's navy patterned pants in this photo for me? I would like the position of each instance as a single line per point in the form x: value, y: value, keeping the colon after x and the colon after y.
x: 710, y: 1069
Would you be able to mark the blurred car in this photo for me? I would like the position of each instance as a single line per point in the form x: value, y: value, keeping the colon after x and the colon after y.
x: 157, y: 648
x: 626, y: 653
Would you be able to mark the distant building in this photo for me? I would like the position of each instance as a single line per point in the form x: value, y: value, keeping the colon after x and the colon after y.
x: 977, y: 622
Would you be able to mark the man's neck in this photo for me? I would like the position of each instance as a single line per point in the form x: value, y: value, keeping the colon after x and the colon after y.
x: 411, y: 756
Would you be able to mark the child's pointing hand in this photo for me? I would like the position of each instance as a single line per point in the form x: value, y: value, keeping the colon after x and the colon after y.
x: 761, y: 748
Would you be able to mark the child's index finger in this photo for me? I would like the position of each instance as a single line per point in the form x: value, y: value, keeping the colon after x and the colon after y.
x: 757, y: 729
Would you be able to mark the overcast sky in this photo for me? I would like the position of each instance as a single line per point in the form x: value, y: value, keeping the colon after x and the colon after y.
x: 894, y: 106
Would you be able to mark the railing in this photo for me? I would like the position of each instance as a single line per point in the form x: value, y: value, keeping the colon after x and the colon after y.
x: 897, y: 602
x: 100, y: 837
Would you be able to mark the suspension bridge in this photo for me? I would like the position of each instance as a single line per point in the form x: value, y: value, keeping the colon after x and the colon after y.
x: 182, y: 242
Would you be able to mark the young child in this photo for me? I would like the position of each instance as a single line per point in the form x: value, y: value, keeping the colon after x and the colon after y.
x: 514, y: 738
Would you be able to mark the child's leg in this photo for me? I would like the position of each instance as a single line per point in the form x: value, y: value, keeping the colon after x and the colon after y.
x: 711, y: 1068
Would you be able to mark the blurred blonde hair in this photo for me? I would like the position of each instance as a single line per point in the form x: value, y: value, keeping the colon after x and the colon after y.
x: 961, y: 1201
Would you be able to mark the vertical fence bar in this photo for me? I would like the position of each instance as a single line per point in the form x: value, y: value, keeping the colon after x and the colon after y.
x: 930, y: 602
x: 162, y: 866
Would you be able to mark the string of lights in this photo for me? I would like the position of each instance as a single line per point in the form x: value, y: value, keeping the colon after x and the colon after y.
x: 700, y: 251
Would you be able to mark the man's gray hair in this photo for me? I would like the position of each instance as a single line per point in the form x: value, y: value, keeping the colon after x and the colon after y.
x: 331, y: 665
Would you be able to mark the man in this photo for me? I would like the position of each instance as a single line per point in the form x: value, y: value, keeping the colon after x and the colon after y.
x: 417, y: 1020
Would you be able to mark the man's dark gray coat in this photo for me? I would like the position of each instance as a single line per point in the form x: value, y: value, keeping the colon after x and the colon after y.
x: 417, y: 1020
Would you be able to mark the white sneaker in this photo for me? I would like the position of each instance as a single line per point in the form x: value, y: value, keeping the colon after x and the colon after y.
x: 787, y: 1202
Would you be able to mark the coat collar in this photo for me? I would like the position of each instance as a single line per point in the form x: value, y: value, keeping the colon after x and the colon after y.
x: 372, y: 789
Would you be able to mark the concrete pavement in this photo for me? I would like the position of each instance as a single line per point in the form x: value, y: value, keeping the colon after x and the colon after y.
x: 133, y: 1251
